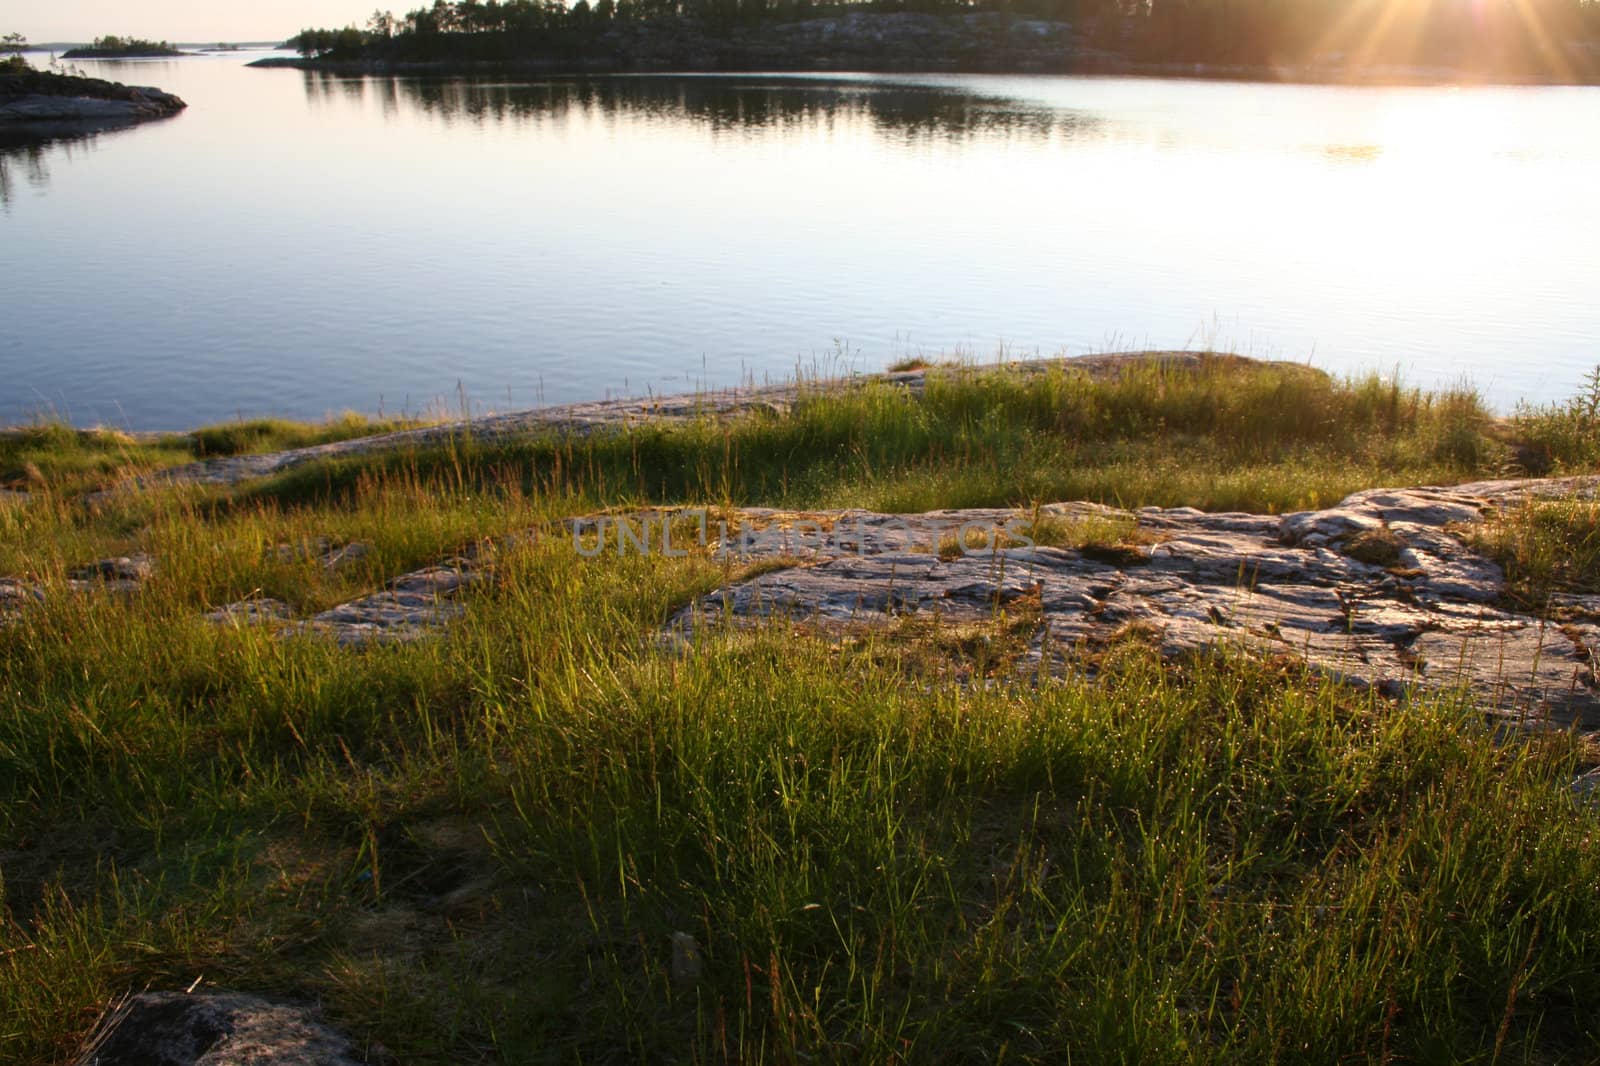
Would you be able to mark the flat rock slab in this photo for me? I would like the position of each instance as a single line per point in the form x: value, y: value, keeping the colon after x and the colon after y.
x: 330, y: 555
x: 177, y: 1029
x: 17, y: 595
x: 1433, y: 618
x: 124, y: 574
x: 141, y: 104
x: 407, y: 608
x: 260, y: 610
x: 410, y: 607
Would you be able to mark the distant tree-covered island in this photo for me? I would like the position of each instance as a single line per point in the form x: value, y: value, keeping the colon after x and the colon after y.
x: 114, y: 47
x: 1406, y: 40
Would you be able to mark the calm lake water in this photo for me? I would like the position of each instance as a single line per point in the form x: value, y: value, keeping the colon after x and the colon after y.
x: 299, y: 245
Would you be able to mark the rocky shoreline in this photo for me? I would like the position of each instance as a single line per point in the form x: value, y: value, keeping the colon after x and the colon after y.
x: 41, y: 101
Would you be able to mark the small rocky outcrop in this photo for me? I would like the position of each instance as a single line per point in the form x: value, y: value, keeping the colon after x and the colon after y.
x: 42, y: 100
x: 408, y: 608
x: 412, y: 606
x: 216, y: 1029
x: 1381, y: 591
x: 16, y: 594
x: 125, y: 574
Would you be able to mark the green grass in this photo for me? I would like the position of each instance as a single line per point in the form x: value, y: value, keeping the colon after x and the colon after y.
x: 479, y: 848
x: 1230, y: 436
x: 1560, y: 436
x: 1547, y: 547
x: 52, y: 456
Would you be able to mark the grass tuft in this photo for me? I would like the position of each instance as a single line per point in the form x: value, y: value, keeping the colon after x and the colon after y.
x: 55, y: 456
x: 1560, y: 438
x: 1379, y: 547
x: 1547, y: 547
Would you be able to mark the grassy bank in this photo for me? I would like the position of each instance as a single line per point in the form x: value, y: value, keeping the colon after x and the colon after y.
x: 490, y: 845
x: 52, y: 456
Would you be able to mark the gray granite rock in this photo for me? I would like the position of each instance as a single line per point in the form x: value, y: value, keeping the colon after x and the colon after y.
x: 39, y: 101
x: 16, y: 595
x: 216, y: 1029
x: 301, y: 551
x: 347, y: 555
x: 1434, y: 621
x: 259, y: 611
x: 332, y: 556
x: 411, y: 607
x: 124, y: 570
x: 81, y: 109
x: 124, y: 574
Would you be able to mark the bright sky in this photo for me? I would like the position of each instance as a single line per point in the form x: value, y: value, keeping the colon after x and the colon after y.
x: 201, y: 21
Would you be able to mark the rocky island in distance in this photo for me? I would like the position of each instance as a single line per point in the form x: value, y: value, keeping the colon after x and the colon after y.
x: 114, y: 47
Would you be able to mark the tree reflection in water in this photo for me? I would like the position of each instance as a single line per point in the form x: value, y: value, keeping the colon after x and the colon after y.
x: 27, y: 156
x: 742, y: 105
